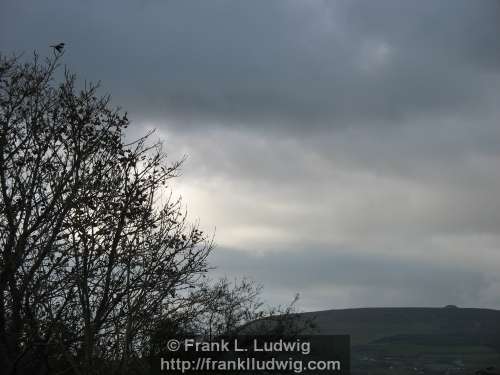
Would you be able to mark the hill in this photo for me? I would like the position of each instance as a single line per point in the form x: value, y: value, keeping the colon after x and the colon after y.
x: 366, y: 325
x: 447, y: 340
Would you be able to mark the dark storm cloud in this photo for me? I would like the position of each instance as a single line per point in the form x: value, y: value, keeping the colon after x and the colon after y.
x: 292, y: 63
x: 373, y: 124
x: 296, y: 268
x: 311, y: 270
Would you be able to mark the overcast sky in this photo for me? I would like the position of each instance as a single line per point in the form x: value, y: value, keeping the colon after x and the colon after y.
x: 345, y: 150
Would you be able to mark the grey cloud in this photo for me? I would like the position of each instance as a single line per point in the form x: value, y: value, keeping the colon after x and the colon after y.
x: 273, y: 63
x: 420, y: 180
x: 358, y: 279
x: 453, y: 31
x: 329, y: 121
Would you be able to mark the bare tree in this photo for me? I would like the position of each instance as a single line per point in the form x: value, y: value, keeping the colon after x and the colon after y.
x: 97, y: 263
x: 90, y: 256
x: 227, y: 306
x: 236, y: 307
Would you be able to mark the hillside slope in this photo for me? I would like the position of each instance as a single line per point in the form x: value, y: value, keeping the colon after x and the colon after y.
x: 367, y: 325
x: 416, y: 340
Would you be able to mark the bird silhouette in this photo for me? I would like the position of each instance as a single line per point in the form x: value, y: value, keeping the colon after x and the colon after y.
x: 58, y: 47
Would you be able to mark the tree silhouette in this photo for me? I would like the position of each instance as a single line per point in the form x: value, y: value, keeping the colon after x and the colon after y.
x: 90, y: 257
x: 98, y: 264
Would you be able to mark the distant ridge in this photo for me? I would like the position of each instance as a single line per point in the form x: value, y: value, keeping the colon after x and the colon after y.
x: 369, y: 324
x: 408, y: 340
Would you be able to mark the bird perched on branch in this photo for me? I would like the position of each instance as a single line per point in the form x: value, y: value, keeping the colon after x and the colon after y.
x: 58, y: 47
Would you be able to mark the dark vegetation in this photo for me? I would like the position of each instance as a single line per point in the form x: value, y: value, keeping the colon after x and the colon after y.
x: 98, y: 265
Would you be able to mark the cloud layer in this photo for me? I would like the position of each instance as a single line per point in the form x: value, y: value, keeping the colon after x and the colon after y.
x: 345, y: 149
